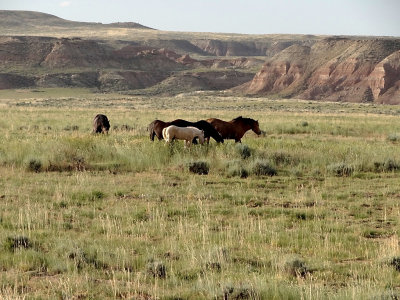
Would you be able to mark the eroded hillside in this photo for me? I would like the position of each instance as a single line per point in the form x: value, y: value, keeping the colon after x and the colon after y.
x: 40, y: 50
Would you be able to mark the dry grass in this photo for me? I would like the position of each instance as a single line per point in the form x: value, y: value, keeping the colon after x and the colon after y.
x: 133, y: 222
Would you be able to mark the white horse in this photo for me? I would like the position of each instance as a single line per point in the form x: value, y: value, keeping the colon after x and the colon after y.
x: 182, y: 133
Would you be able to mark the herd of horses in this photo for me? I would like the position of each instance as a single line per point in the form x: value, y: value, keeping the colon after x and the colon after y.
x: 180, y: 129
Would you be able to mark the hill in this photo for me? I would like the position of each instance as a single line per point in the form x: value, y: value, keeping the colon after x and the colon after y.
x: 42, y: 50
x: 31, y: 20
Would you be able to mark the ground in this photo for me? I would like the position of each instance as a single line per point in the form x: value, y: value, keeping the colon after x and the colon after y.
x: 87, y: 216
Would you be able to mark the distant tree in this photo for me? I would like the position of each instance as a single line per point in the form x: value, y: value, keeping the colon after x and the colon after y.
x: 368, y: 96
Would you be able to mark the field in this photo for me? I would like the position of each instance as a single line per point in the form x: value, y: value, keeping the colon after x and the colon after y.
x: 309, y: 210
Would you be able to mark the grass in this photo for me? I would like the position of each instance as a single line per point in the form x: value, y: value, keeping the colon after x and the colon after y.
x: 117, y: 216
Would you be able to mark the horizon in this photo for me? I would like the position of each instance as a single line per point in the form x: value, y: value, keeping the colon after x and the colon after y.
x: 311, y: 17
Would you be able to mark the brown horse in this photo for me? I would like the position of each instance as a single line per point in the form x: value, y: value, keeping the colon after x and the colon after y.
x: 101, y: 124
x: 236, y: 128
x: 155, y: 128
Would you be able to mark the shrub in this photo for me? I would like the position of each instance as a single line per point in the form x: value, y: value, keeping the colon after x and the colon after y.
x: 34, y: 165
x: 395, y: 262
x: 284, y: 158
x: 394, y: 137
x: 262, y: 167
x: 297, y: 268
x: 387, y: 166
x: 14, y: 243
x: 239, y: 292
x: 156, y: 269
x: 235, y: 169
x: 243, y: 150
x: 341, y: 169
x: 199, y: 167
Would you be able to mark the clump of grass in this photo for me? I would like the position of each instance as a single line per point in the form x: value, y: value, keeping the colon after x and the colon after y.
x: 304, y: 124
x: 199, y: 167
x: 243, y: 150
x: 395, y: 262
x: 88, y: 257
x: 283, y: 158
x: 386, y: 166
x: 156, y: 269
x: 263, y: 167
x: 20, y: 242
x: 297, y: 268
x: 71, y: 128
x: 34, y: 165
x: 341, y: 169
x: 394, y: 137
x: 236, y: 169
x: 239, y: 292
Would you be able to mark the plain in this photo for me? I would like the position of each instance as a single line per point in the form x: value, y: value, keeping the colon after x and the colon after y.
x: 309, y: 210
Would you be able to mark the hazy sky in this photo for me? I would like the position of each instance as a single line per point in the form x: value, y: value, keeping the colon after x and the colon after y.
x: 331, y: 17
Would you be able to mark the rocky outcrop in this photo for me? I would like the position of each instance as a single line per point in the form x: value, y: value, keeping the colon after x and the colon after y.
x: 333, y: 69
x: 285, y: 70
x: 384, y: 80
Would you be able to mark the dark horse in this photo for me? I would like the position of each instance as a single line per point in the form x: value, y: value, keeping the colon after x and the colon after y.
x: 236, y: 128
x: 155, y: 128
x: 101, y: 124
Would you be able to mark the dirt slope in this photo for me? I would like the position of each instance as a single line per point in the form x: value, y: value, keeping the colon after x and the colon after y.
x: 333, y: 69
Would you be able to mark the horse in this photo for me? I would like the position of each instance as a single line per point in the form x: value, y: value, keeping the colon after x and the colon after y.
x: 101, y: 124
x: 236, y: 128
x: 187, y: 134
x: 155, y: 128
x: 209, y: 130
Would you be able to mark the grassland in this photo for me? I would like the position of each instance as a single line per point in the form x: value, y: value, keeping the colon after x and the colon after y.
x: 119, y: 216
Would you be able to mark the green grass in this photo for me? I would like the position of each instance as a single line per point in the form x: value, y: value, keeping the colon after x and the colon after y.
x: 118, y: 216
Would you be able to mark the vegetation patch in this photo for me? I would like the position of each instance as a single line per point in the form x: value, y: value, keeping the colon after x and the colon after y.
x: 387, y: 165
x: 243, y: 150
x: 34, y: 165
x: 297, y: 268
x: 199, y: 167
x: 263, y: 168
x: 156, y: 269
x: 18, y: 242
x: 341, y: 169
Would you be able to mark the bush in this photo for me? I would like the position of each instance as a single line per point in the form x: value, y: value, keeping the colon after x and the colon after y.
x: 297, y: 268
x: 284, y: 158
x: 395, y: 262
x: 387, y: 166
x: 235, y: 169
x: 394, y: 137
x: 34, y: 165
x: 341, y: 169
x: 243, y: 150
x: 14, y: 243
x: 199, y: 167
x: 156, y: 269
x: 261, y: 167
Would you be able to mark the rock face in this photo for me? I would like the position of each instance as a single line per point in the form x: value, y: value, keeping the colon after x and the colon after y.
x: 333, y: 69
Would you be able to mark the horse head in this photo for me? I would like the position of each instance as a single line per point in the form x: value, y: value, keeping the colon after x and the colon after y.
x: 256, y: 127
x: 201, y: 137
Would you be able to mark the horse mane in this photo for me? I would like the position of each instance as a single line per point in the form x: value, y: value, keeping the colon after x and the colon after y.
x: 244, y: 120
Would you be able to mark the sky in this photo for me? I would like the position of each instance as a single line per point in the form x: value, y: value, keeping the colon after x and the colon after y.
x: 326, y: 17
